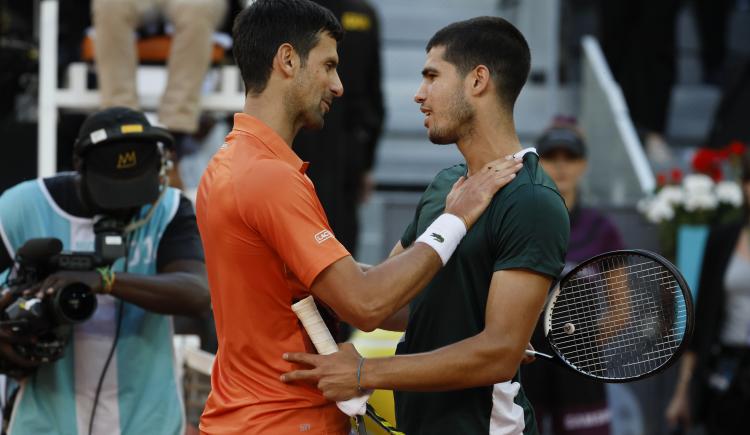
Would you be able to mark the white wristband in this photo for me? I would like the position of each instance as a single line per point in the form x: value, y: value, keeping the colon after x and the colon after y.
x: 444, y: 235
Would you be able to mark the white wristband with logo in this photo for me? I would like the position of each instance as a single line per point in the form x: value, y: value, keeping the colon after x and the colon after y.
x: 444, y: 235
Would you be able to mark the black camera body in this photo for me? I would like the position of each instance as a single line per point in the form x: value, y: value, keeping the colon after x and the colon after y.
x: 46, y: 323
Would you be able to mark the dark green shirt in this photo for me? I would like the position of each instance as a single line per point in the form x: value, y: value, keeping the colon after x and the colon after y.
x: 525, y: 227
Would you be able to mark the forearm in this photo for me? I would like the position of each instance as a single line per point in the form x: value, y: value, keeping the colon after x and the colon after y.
x: 687, y: 367
x: 472, y: 362
x: 384, y: 289
x: 398, y: 321
x: 180, y: 293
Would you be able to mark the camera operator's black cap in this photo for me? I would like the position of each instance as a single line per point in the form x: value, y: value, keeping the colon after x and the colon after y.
x: 561, y: 137
x: 121, y: 157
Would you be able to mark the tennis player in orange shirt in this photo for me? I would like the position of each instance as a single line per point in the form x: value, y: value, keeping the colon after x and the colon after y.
x: 267, y: 240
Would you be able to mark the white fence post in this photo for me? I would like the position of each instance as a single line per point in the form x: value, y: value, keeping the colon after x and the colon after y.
x: 47, y: 125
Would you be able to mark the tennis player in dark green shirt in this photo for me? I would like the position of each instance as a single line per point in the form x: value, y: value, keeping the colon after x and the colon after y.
x: 525, y: 227
x: 456, y: 371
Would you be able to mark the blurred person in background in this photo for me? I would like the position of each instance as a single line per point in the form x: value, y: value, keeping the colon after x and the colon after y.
x: 638, y: 39
x: 194, y: 21
x: 712, y: 19
x: 713, y: 386
x: 117, y: 373
x: 572, y: 404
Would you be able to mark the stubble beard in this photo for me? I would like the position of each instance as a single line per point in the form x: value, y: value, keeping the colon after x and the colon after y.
x: 462, y: 114
x: 307, y: 113
x: 313, y: 118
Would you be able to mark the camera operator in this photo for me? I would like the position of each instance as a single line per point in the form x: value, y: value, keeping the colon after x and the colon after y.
x: 116, y: 373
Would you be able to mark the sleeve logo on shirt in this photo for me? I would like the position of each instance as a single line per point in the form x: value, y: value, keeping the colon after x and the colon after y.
x: 323, y: 236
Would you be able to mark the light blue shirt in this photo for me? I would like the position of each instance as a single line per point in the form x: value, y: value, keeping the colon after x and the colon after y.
x: 140, y: 393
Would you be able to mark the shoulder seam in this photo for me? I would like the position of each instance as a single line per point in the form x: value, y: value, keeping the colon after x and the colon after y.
x: 176, y: 195
x: 56, y: 208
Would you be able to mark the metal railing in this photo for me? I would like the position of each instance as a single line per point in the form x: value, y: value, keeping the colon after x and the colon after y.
x: 619, y: 173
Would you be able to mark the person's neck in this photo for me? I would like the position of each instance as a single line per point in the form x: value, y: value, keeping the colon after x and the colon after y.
x: 269, y: 108
x: 85, y: 209
x: 488, y: 141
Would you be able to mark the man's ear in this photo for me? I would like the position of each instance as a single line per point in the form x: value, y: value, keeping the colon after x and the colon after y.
x: 479, y: 80
x: 286, y: 60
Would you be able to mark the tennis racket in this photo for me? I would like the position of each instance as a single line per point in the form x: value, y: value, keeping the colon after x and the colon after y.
x: 324, y: 343
x: 619, y: 316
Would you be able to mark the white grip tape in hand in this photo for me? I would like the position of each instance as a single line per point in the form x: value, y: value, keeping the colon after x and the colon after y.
x: 324, y: 343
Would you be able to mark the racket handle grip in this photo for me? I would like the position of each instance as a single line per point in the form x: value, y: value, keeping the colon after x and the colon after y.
x: 324, y: 343
x: 316, y: 328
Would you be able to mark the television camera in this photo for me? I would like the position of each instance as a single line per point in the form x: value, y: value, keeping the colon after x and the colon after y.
x: 44, y: 323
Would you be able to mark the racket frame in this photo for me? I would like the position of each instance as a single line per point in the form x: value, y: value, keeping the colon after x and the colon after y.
x: 686, y: 293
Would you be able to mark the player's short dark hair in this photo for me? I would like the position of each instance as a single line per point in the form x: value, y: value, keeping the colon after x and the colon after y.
x: 492, y: 42
x: 263, y: 26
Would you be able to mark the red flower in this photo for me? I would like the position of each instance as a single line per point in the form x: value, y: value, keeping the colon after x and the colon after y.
x: 707, y: 160
x: 717, y: 175
x: 661, y: 180
x: 676, y: 176
x: 736, y: 148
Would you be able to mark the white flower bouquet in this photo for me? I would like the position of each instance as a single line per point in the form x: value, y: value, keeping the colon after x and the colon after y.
x: 696, y: 200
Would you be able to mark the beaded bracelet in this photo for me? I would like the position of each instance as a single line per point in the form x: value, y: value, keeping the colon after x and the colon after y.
x: 108, y: 279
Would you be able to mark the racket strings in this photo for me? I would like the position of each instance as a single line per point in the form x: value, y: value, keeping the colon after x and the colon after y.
x: 627, y: 336
x: 581, y: 296
x: 646, y: 303
x: 589, y: 277
x: 621, y: 303
x: 627, y: 317
x: 611, y: 327
x: 582, y: 293
x: 621, y: 312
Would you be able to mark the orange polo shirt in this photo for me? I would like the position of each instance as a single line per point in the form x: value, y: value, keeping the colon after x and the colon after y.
x: 266, y: 239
